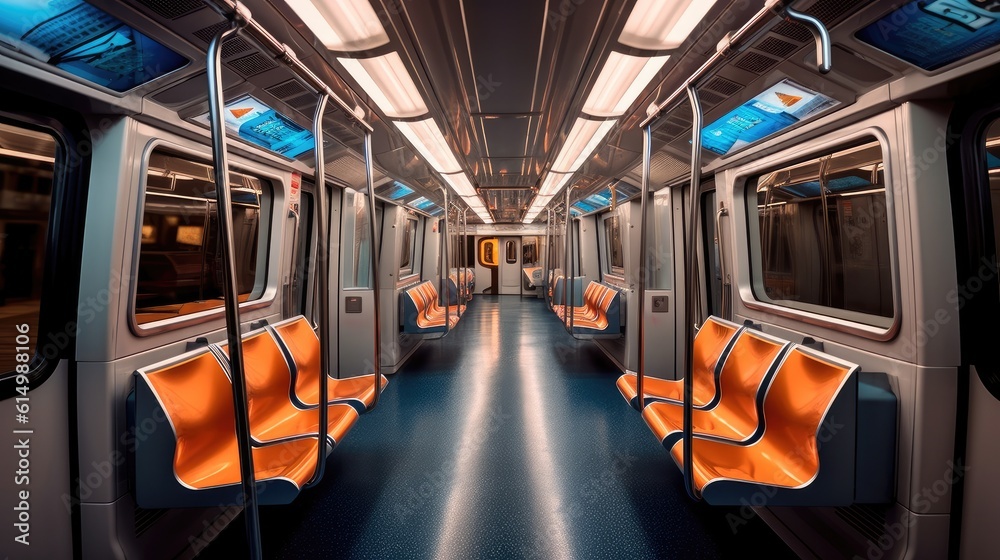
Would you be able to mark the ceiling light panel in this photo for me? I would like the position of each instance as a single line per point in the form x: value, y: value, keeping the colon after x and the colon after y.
x: 553, y: 183
x: 426, y: 137
x: 342, y: 25
x: 581, y: 142
x: 460, y: 184
x: 657, y: 25
x: 386, y: 80
x: 621, y: 81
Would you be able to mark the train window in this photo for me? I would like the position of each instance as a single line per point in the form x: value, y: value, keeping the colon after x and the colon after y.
x: 511, y: 249
x: 27, y: 166
x: 613, y: 252
x: 408, y: 248
x: 357, y: 264
x: 713, y: 266
x: 180, y: 254
x: 821, y: 236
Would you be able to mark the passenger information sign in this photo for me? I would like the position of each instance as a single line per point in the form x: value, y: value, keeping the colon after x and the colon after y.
x: 259, y: 124
x: 933, y: 34
x: 784, y: 104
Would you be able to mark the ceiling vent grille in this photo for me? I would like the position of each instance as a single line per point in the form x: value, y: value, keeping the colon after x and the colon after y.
x: 173, y: 9
x: 206, y: 34
x: 233, y: 47
x: 251, y: 65
x: 710, y: 99
x: 777, y: 47
x: 793, y: 31
x: 829, y: 11
x: 287, y: 89
x: 755, y: 62
x: 723, y: 86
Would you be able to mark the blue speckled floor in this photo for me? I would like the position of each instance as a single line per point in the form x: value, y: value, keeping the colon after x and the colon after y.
x: 507, y: 439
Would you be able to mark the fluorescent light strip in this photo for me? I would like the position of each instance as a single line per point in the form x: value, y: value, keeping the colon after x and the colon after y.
x: 580, y: 144
x: 426, y: 137
x: 620, y: 82
x: 658, y: 25
x: 342, y: 25
x: 553, y: 183
x: 460, y: 183
x: 387, y: 81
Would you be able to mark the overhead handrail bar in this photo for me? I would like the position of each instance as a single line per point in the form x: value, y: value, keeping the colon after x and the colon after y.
x: 323, y: 279
x: 741, y: 39
x: 370, y: 179
x: 217, y: 124
x: 229, y: 9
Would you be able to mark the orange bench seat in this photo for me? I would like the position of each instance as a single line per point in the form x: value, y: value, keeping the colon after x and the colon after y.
x: 711, y: 345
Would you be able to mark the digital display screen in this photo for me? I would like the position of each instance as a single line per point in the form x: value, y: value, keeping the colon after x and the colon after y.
x: 399, y: 190
x: 259, y: 124
x: 781, y: 106
x: 931, y: 34
x: 84, y: 41
x: 585, y: 206
x: 422, y: 203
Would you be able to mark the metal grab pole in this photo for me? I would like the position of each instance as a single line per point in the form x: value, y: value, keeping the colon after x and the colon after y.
x: 722, y: 259
x: 824, y: 46
x: 443, y: 281
x: 370, y: 179
x: 566, y: 279
x: 230, y: 286
x: 574, y: 246
x: 465, y: 255
x: 692, y: 278
x: 322, y: 249
x: 647, y: 150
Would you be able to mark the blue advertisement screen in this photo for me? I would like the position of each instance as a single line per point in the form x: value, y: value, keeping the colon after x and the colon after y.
x: 259, y: 124
x: 399, y: 190
x: 933, y: 34
x: 784, y: 104
x: 85, y: 41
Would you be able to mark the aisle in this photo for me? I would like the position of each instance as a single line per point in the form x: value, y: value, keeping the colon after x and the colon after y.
x: 507, y: 439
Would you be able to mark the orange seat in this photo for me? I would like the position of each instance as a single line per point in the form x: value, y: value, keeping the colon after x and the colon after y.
x: 745, y: 372
x: 191, y: 457
x: 302, y: 345
x: 273, y: 416
x: 421, y: 312
x: 599, y: 313
x: 806, y: 387
x: 711, y: 345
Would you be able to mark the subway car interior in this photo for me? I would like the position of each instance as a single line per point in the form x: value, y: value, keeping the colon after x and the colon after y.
x: 476, y: 279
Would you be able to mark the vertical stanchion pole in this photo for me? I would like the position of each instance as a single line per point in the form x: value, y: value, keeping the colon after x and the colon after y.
x: 443, y: 281
x: 566, y: 257
x: 323, y: 279
x: 216, y: 105
x: 691, y: 275
x: 647, y: 152
x: 374, y: 260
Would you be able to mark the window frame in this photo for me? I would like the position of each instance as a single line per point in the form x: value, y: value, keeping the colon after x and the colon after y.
x: 412, y: 269
x: 64, y: 237
x: 750, y: 279
x: 272, y: 197
x: 611, y: 270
